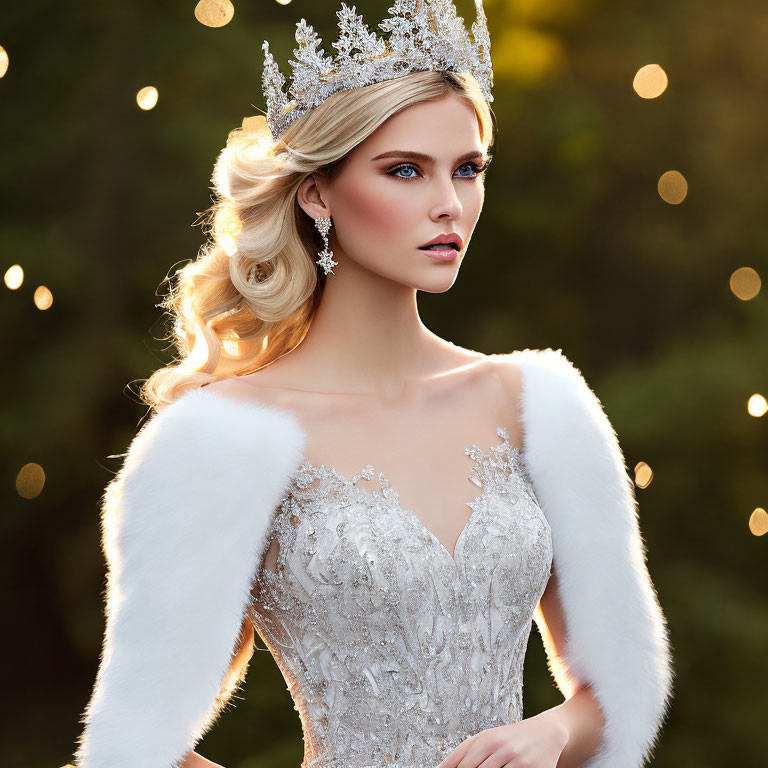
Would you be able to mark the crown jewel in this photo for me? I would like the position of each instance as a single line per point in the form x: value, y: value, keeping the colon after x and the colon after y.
x: 424, y: 35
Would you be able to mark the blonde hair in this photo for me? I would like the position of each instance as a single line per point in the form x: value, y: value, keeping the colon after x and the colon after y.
x: 227, y: 325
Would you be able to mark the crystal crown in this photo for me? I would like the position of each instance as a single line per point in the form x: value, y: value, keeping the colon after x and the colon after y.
x: 423, y: 35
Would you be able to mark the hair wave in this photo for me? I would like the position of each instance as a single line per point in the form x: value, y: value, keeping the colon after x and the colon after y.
x: 223, y: 323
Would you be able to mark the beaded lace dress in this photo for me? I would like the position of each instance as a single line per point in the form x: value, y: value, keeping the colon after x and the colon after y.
x: 393, y: 650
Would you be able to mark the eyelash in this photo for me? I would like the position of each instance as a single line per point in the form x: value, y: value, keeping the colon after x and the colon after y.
x: 479, y: 170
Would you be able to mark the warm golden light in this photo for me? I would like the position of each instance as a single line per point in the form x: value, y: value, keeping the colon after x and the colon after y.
x: 228, y: 226
x: 14, y: 277
x: 758, y: 522
x: 232, y: 347
x: 254, y: 136
x: 42, y: 297
x: 672, y: 187
x: 214, y: 13
x: 757, y: 405
x: 745, y: 283
x: 228, y: 222
x: 200, y: 356
x: 256, y: 127
x: 643, y: 474
x: 527, y: 54
x: 650, y: 81
x: 283, y: 2
x: 146, y: 98
x: 204, y: 354
x: 30, y: 481
x: 3, y: 61
x: 228, y: 243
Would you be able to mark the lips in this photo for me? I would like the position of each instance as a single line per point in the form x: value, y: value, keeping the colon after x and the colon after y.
x: 450, y: 240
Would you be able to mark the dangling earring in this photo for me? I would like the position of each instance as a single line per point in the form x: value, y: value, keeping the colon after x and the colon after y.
x: 325, y: 257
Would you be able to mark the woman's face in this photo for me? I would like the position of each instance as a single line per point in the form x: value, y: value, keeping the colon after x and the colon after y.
x: 414, y: 178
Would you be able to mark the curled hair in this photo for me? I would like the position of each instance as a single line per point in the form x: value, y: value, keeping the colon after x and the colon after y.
x: 250, y: 295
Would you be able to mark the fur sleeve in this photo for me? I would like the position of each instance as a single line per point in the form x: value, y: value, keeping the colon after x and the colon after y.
x: 183, y: 529
x: 616, y: 634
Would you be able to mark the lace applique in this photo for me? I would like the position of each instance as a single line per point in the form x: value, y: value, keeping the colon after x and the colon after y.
x: 493, y: 469
x: 393, y: 650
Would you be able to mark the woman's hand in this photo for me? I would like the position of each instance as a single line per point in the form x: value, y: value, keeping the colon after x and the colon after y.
x: 536, y: 742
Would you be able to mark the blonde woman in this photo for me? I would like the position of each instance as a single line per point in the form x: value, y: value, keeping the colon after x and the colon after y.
x: 389, y: 511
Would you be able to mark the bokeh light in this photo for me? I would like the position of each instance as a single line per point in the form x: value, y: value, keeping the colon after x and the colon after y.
x: 745, y: 283
x: 14, y: 277
x: 30, y: 480
x: 147, y: 97
x: 643, y: 474
x: 214, y: 13
x: 757, y: 405
x: 673, y: 187
x: 650, y: 81
x: 42, y: 297
x: 758, y: 522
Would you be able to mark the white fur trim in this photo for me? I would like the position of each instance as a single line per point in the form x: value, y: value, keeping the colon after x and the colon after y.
x: 183, y: 527
x: 617, y: 638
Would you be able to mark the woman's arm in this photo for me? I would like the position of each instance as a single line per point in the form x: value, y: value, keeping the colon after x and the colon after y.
x: 579, y: 715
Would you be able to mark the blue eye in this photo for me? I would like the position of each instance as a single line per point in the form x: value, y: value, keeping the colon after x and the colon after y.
x: 476, y: 170
x: 400, y: 168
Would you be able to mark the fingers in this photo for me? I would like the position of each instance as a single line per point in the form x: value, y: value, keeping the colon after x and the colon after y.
x: 490, y: 751
x: 452, y: 759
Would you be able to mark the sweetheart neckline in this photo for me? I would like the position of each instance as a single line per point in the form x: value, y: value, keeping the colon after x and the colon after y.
x: 478, y: 455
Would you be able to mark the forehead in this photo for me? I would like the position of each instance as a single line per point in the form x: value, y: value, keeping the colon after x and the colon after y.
x: 442, y: 128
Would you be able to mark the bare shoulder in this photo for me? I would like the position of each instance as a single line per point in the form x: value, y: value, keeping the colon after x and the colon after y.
x: 523, y: 368
x: 490, y: 375
x: 552, y: 362
x: 508, y: 370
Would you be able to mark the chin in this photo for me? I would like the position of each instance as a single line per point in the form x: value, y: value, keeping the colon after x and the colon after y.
x: 438, y: 283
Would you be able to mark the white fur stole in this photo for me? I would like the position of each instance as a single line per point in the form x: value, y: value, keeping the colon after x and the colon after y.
x: 184, y: 525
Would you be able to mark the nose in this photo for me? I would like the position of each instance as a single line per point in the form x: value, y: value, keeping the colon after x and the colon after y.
x: 448, y: 204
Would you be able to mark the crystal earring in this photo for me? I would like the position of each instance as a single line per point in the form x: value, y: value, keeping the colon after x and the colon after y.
x: 325, y: 257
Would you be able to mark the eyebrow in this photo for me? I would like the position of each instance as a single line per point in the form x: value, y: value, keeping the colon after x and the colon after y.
x: 409, y: 155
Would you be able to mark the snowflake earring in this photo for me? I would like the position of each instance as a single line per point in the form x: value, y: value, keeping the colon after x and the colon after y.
x: 325, y: 257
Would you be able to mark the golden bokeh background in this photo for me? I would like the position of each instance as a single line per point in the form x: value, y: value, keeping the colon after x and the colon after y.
x: 625, y: 223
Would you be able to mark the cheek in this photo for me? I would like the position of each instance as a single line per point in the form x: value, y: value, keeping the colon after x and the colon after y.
x: 375, y: 208
x: 475, y: 200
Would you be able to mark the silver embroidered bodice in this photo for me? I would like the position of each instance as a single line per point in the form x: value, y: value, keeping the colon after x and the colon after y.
x: 393, y: 650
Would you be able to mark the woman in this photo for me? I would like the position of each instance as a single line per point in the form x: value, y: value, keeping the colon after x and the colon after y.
x: 399, y: 614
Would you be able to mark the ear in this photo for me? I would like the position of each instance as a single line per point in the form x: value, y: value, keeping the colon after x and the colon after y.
x: 310, y: 197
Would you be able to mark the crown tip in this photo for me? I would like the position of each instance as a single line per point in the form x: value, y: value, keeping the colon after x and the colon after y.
x: 315, y: 76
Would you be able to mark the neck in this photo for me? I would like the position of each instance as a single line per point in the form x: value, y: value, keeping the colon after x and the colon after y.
x: 367, y: 337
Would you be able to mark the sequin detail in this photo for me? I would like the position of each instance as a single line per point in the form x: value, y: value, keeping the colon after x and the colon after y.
x: 393, y: 650
x: 422, y: 36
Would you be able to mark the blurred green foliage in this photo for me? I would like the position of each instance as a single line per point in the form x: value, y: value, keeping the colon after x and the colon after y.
x: 575, y: 250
